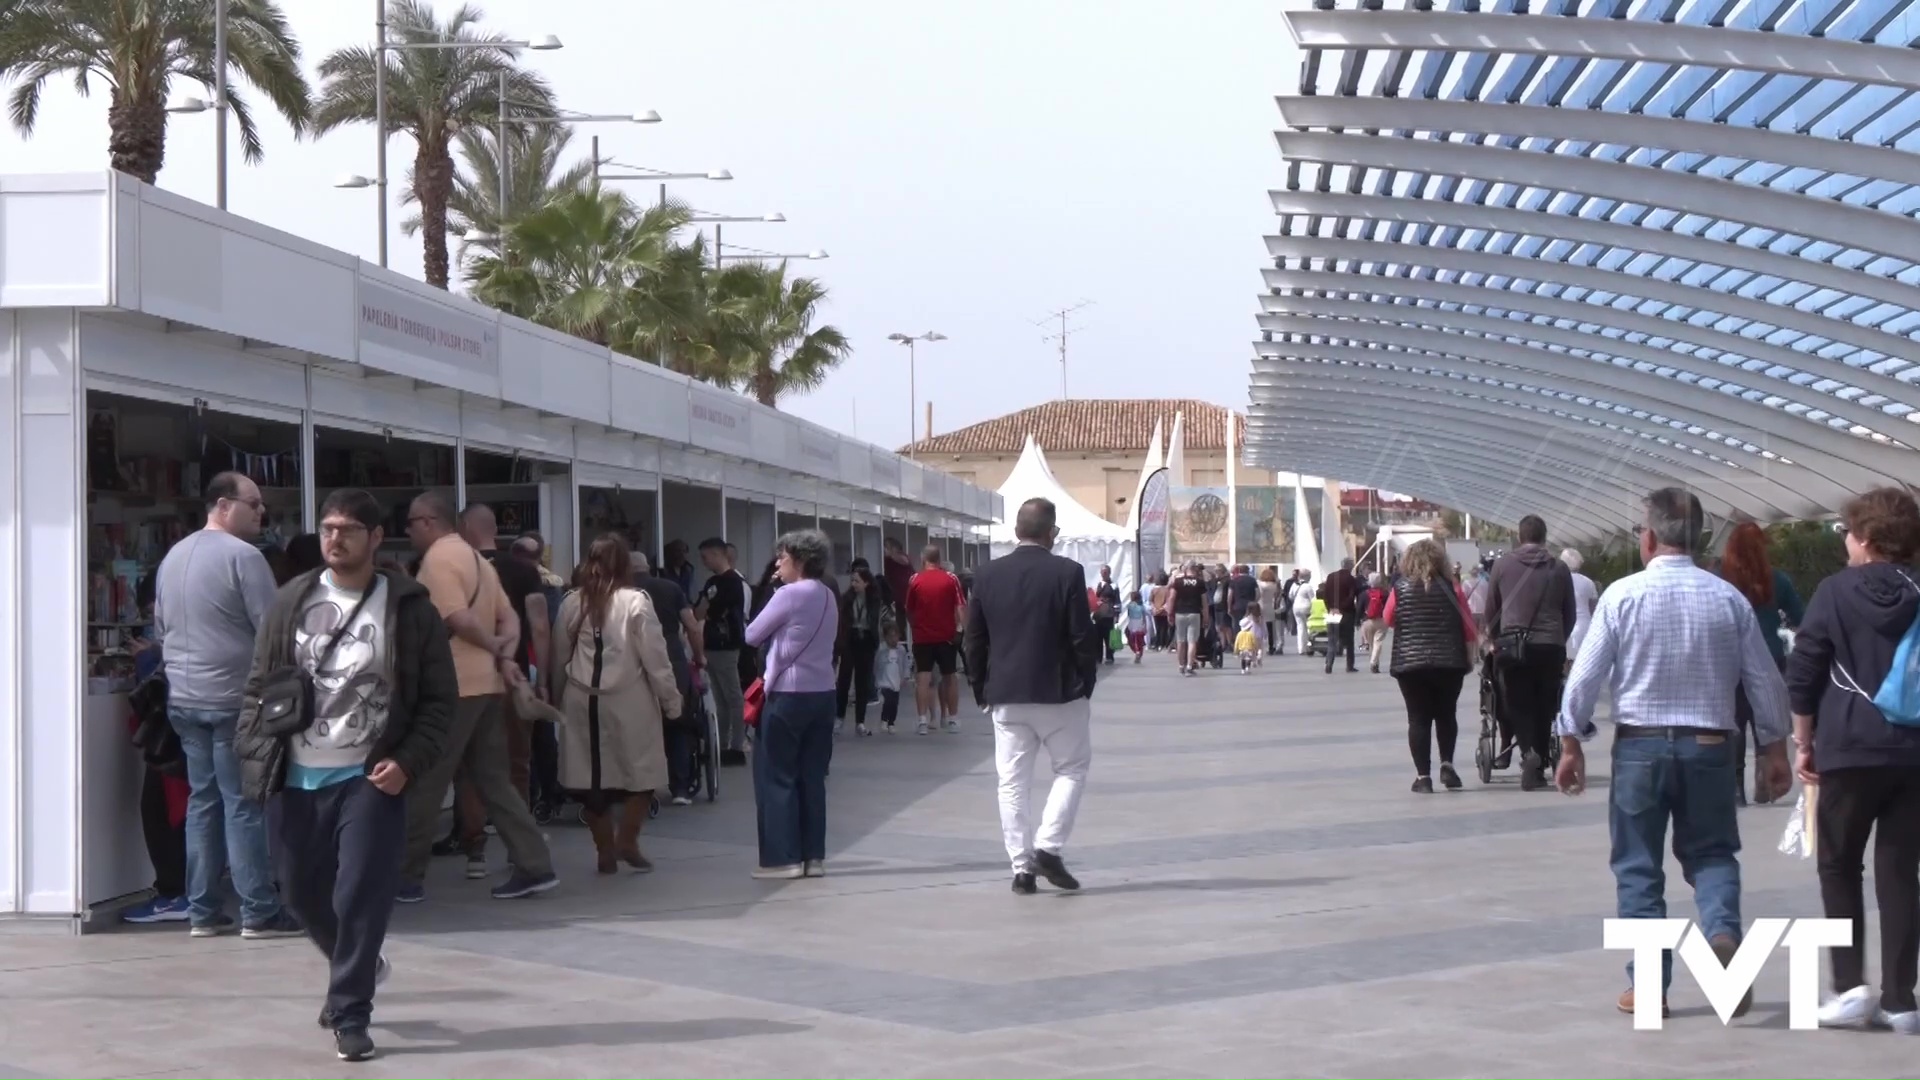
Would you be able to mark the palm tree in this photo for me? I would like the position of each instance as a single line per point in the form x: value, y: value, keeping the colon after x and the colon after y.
x: 781, y: 352
x: 534, y: 178
x: 138, y: 47
x: 432, y: 95
x: 577, y: 263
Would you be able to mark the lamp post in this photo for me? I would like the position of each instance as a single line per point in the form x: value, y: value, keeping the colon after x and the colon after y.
x: 641, y: 172
x: 756, y: 255
x: 382, y: 46
x: 721, y: 219
x: 913, y: 381
x: 561, y: 116
x: 220, y: 104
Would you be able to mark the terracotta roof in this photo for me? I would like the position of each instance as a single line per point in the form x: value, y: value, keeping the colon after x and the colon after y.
x: 1087, y: 426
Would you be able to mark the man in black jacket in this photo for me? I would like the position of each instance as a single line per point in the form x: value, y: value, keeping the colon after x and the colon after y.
x: 1032, y: 657
x: 383, y: 697
x: 1342, y: 594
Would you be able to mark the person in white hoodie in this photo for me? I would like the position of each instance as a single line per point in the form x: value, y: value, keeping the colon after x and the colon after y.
x: 891, y: 669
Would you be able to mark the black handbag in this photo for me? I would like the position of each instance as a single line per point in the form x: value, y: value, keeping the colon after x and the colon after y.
x: 1510, y: 644
x: 286, y: 693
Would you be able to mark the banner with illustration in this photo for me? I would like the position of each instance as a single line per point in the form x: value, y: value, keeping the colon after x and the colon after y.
x: 1198, y: 525
x: 1151, y: 542
x: 1263, y: 525
x: 1316, y: 501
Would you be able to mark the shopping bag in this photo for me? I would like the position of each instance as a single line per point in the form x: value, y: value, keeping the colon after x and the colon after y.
x: 1116, y: 640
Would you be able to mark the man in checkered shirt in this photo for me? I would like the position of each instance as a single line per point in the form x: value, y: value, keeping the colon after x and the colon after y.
x: 1672, y: 643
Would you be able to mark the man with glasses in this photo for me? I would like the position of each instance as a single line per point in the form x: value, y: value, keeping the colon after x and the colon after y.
x: 485, y: 634
x: 212, y: 593
x: 384, y: 695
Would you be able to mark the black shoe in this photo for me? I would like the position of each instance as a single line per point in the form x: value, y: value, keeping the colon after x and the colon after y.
x: 733, y: 757
x: 353, y: 1044
x: 522, y: 884
x: 1532, y: 775
x: 1504, y: 758
x: 326, y: 1018
x: 1423, y: 785
x: 1048, y: 865
x: 1448, y: 777
x: 448, y: 845
x: 1023, y: 885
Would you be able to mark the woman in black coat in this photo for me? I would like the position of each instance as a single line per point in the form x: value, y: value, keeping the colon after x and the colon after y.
x: 861, y: 608
x: 1867, y: 767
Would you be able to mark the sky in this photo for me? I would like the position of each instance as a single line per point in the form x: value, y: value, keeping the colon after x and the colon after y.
x: 970, y: 168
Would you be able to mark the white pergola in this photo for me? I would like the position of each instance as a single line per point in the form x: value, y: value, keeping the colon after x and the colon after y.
x: 1543, y: 261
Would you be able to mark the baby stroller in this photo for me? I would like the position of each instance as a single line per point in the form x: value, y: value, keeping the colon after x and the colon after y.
x: 1316, y: 630
x: 1209, y: 652
x: 1489, y: 751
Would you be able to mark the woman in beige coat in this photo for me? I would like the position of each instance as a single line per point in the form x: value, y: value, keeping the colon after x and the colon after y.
x: 614, y: 690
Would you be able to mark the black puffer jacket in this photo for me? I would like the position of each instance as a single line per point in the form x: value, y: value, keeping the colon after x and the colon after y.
x: 1853, y: 625
x: 1428, y: 634
x: 419, y: 709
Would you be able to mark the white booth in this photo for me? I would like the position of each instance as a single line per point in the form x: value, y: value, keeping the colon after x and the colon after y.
x: 148, y: 342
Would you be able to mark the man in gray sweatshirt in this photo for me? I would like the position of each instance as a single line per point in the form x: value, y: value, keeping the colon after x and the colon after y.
x: 211, y: 598
x: 1530, y: 612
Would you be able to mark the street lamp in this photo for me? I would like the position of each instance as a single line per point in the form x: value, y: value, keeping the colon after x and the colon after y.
x: 913, y: 388
x: 561, y: 116
x: 755, y: 254
x: 543, y: 43
x: 641, y: 172
x: 720, y: 219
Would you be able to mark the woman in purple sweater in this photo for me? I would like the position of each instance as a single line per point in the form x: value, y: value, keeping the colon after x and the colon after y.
x: 795, y: 632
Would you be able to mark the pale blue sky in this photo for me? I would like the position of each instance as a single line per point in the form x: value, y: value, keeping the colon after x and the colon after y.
x: 970, y: 167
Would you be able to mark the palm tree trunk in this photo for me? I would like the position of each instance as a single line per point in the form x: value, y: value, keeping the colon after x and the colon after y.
x: 137, y: 143
x: 766, y: 387
x: 433, y: 179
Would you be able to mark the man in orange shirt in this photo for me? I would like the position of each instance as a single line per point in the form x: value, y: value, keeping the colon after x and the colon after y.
x: 485, y: 632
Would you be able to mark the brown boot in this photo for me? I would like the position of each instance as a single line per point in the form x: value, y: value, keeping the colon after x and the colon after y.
x: 601, y: 826
x: 1626, y: 1004
x: 633, y: 813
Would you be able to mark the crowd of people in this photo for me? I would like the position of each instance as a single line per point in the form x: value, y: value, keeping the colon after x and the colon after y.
x: 306, y: 717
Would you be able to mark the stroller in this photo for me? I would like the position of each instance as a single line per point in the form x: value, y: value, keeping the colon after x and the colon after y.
x: 1209, y: 651
x: 1490, y: 753
x: 1316, y: 630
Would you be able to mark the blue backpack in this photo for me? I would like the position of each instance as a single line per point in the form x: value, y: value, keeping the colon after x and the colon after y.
x: 1898, y: 698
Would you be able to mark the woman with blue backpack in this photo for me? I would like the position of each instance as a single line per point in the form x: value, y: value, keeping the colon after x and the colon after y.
x: 1854, y: 681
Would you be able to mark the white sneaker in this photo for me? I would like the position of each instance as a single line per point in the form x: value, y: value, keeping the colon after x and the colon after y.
x: 1904, y: 1023
x: 815, y: 868
x: 952, y: 726
x: 838, y: 725
x: 922, y: 729
x: 1852, y: 1009
x: 682, y: 800
x: 779, y: 873
x: 862, y: 729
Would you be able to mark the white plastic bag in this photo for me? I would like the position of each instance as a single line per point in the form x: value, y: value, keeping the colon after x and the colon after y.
x: 1798, y: 837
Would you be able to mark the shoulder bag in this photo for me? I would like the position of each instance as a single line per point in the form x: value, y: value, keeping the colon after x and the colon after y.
x: 1510, y: 645
x: 286, y: 693
x: 755, y: 698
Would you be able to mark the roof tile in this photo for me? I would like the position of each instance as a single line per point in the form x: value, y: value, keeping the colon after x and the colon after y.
x: 1087, y: 426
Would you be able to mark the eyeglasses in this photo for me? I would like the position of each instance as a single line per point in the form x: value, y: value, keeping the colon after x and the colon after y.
x: 418, y: 518
x: 256, y: 505
x: 328, y: 532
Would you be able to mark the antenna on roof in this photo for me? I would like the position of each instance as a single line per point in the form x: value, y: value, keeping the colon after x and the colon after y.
x: 1062, y: 336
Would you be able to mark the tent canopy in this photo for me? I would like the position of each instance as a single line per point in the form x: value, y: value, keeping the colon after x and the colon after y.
x: 1085, y: 537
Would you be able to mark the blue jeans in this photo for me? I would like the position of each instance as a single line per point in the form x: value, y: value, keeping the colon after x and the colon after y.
x: 224, y: 829
x: 790, y: 757
x: 1690, y: 778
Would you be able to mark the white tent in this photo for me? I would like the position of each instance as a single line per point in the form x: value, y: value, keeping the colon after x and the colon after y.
x: 1151, y: 465
x: 1085, y: 537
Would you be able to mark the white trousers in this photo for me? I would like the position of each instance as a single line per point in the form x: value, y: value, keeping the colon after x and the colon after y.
x: 1019, y: 731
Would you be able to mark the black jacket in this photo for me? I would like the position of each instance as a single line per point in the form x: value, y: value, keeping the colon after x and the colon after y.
x: 1341, y: 591
x: 1855, y: 622
x: 1528, y: 587
x: 1428, y: 631
x: 1029, y: 638
x: 424, y: 692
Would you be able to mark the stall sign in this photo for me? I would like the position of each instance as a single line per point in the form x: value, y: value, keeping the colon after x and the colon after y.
x: 718, y: 418
x: 407, y: 324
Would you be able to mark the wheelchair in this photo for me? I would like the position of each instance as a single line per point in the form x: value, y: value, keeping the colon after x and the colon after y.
x: 1489, y: 753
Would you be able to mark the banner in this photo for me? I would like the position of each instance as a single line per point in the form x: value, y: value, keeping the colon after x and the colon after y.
x: 1264, y: 525
x: 1150, y: 544
x: 1316, y: 501
x: 1198, y: 526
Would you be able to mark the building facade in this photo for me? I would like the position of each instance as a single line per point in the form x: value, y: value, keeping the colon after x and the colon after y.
x: 1096, y: 448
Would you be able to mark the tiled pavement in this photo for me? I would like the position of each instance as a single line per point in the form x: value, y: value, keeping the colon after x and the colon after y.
x: 1263, y: 897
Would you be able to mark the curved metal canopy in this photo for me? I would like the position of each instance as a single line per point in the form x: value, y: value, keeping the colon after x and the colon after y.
x: 1542, y: 262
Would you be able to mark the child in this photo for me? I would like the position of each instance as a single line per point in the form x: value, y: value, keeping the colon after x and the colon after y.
x: 1247, y: 643
x: 893, y: 667
x: 1137, y: 623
